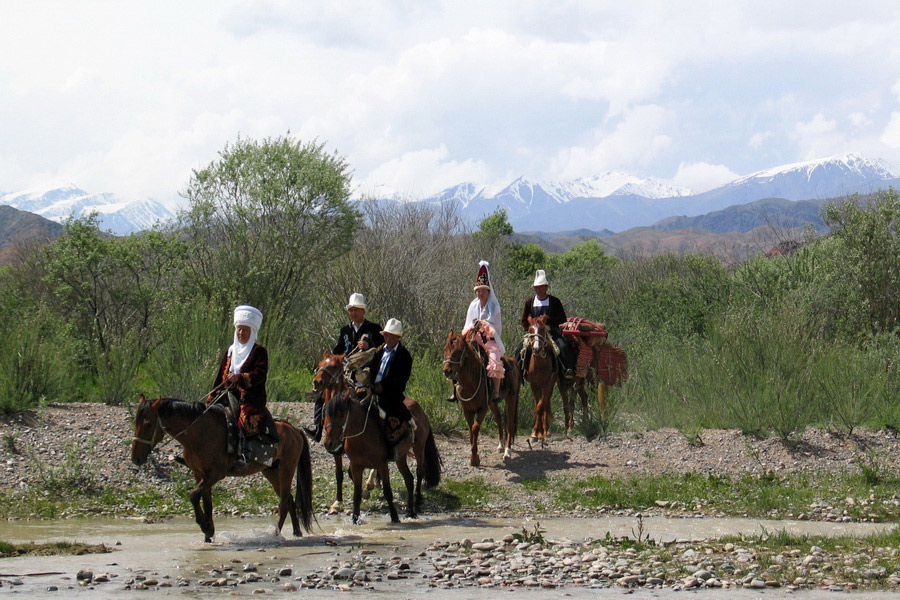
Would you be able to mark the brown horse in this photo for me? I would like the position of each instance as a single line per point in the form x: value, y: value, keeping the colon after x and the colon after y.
x: 202, y: 433
x: 330, y: 382
x: 350, y: 425
x: 464, y: 367
x: 542, y: 373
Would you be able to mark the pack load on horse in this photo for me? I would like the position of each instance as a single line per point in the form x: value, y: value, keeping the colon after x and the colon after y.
x: 598, y: 360
x: 482, y: 377
x: 375, y: 431
x: 359, y: 336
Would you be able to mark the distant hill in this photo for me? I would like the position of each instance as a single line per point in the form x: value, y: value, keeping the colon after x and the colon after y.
x: 776, y: 212
x: 559, y: 241
x: 19, y: 226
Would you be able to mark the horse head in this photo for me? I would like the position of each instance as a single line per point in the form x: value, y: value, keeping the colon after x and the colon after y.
x: 537, y: 333
x: 334, y: 421
x: 329, y: 372
x: 453, y: 354
x: 147, y: 430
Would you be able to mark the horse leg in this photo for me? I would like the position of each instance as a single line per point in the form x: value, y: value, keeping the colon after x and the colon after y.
x: 372, y: 482
x: 538, y: 395
x: 498, y: 418
x: 199, y: 516
x: 565, y: 391
x: 356, y: 474
x: 286, y: 501
x: 403, y: 467
x: 602, y: 391
x: 474, y: 461
x: 209, y: 529
x: 386, y: 490
x: 338, y: 504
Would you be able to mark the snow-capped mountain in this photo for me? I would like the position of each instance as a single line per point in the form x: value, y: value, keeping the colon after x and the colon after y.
x: 618, y: 201
x: 811, y: 180
x: 59, y: 202
x: 550, y: 205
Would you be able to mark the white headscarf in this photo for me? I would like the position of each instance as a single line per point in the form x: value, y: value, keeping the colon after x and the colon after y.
x: 252, y: 318
x: 490, y: 312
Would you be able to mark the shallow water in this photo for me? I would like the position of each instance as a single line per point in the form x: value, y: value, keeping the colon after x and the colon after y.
x: 175, y: 548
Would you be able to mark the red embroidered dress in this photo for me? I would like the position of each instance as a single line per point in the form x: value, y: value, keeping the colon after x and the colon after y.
x: 251, y: 389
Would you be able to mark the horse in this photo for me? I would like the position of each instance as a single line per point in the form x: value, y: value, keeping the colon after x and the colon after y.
x: 329, y: 381
x: 201, y: 431
x: 543, y: 374
x: 350, y: 425
x: 464, y: 367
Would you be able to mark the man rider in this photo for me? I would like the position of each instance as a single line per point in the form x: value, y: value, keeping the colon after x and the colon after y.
x: 390, y: 369
x: 359, y: 334
x: 543, y: 303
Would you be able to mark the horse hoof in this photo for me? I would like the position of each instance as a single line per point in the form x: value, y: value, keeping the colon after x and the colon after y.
x: 499, y: 447
x: 366, y: 494
x: 207, y: 539
x: 474, y: 461
x: 507, y: 454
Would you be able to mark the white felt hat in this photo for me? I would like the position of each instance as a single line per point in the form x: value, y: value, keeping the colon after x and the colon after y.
x: 540, y: 278
x: 357, y: 300
x: 394, y: 326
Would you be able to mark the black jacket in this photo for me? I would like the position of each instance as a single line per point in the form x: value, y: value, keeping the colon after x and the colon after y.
x: 554, y: 321
x: 348, y: 337
x: 393, y: 385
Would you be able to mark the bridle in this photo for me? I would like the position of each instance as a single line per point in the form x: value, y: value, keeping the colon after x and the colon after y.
x: 459, y: 363
x: 343, y: 427
x: 538, y: 340
x: 174, y: 436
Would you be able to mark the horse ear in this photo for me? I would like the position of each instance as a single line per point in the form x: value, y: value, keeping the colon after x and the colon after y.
x: 324, y: 354
x: 141, y: 398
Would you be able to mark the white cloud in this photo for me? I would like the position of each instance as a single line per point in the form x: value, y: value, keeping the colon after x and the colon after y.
x: 637, y: 139
x: 757, y: 139
x: 422, y: 173
x: 891, y: 134
x: 702, y: 176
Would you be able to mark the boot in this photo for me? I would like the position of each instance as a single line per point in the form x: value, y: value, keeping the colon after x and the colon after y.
x: 240, y: 463
x: 495, y: 391
x: 315, y: 430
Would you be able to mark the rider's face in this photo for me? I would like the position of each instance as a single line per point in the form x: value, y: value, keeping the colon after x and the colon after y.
x: 356, y: 313
x: 483, y: 295
x: 541, y: 291
x: 390, y: 339
x: 243, y: 333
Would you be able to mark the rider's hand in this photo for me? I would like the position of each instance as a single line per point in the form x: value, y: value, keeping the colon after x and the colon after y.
x: 362, y: 345
x: 233, y: 378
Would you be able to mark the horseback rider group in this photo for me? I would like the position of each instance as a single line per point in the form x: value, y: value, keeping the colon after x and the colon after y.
x: 241, y: 379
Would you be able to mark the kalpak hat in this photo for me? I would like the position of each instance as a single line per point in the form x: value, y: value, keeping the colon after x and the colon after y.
x: 394, y: 326
x: 482, y: 281
x: 357, y: 300
x: 540, y: 278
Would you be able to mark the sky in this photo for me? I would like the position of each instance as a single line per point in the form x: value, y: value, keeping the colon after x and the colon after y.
x: 129, y: 97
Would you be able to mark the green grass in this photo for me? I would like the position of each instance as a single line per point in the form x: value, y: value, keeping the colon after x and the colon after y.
x: 738, y: 496
x: 32, y: 549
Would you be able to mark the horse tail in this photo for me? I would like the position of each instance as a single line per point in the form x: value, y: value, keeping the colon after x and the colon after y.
x: 432, y: 462
x: 303, y: 497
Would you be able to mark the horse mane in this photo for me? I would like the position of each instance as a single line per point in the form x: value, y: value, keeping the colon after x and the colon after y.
x: 339, y: 402
x: 541, y: 320
x: 172, y: 407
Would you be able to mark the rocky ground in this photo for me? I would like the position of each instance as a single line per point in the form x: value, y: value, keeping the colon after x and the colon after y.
x: 95, y: 440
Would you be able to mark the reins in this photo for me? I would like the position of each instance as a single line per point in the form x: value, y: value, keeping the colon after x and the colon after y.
x: 174, y: 436
x: 456, y: 387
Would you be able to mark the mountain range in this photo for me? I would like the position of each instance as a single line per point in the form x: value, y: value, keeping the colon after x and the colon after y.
x: 617, y: 201
x: 121, y: 217
x: 612, y: 200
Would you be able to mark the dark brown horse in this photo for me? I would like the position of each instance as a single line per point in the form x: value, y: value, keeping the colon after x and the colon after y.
x: 464, y: 367
x: 355, y: 428
x: 542, y: 373
x: 329, y: 381
x: 201, y: 431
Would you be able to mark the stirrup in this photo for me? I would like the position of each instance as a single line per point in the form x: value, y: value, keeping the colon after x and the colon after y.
x: 451, y: 398
x: 239, y: 465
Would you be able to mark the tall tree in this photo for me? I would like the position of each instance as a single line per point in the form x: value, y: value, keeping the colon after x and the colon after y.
x: 264, y: 217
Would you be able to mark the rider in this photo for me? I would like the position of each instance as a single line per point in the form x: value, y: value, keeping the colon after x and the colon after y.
x: 360, y: 334
x: 391, y: 367
x: 242, y: 374
x: 483, y: 316
x: 543, y: 303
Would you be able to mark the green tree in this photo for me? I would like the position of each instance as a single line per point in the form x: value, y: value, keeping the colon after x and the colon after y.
x: 264, y: 218
x: 496, y: 224
x: 870, y: 235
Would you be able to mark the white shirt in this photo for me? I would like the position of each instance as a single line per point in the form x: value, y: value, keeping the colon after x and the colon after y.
x: 539, y: 303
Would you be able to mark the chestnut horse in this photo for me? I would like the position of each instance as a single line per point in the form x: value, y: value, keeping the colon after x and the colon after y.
x: 330, y: 382
x: 542, y: 372
x: 201, y: 431
x: 464, y: 367
x: 353, y: 426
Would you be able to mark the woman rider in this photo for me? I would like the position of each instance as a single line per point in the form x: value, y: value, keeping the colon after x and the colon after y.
x: 242, y: 374
x: 483, y: 318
